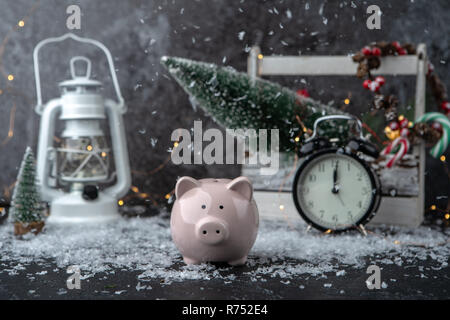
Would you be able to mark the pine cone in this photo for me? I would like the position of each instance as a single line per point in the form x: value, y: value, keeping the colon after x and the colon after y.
x: 363, y: 70
x: 438, y: 88
x: 373, y: 62
x: 410, y: 48
x: 378, y: 102
x: 358, y: 57
x: 390, y: 114
x: 383, y: 45
x: 426, y: 132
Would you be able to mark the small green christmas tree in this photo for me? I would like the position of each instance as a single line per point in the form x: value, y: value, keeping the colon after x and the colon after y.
x: 27, y: 210
x: 237, y: 101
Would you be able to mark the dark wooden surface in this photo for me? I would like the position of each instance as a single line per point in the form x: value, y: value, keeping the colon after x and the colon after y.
x: 409, y: 284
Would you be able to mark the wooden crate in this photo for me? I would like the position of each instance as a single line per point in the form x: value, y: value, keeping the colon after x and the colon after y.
x: 403, y: 186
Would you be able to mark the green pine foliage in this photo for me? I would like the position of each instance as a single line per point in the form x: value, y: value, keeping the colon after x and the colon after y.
x: 236, y: 101
x: 26, y: 201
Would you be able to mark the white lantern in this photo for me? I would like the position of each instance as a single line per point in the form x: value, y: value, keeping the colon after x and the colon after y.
x: 74, y: 175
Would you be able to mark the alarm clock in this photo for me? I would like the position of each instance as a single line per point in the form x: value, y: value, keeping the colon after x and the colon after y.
x: 335, y: 189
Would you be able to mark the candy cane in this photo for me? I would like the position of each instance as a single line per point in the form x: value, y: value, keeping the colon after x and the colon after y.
x: 404, y: 147
x: 443, y: 143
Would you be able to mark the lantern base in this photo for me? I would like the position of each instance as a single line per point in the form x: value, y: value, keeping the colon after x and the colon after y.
x: 72, y: 208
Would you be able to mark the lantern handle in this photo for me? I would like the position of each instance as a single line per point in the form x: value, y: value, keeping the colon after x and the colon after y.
x: 39, y: 106
x: 87, y: 75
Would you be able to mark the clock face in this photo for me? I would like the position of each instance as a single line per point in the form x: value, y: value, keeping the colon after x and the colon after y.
x: 334, y: 191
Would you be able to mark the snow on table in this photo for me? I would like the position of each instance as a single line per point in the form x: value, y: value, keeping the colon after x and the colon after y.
x: 283, y: 249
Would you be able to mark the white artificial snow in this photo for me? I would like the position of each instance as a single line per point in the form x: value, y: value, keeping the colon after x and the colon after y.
x: 61, y: 291
x: 289, y: 14
x: 283, y: 250
x: 340, y: 273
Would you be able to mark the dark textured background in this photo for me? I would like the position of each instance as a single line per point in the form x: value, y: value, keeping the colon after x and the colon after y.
x: 139, y: 32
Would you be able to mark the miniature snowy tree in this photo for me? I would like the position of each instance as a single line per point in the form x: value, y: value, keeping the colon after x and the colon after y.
x: 27, y: 210
x: 237, y: 101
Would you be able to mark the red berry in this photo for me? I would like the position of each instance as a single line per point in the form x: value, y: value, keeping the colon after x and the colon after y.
x: 376, y: 51
x: 404, y: 123
x: 437, y: 126
x: 401, y: 52
x: 303, y: 93
x: 445, y: 106
x: 374, y: 86
x: 366, y: 51
x: 396, y: 44
x: 394, y: 125
x: 366, y: 84
x: 381, y: 80
x: 404, y: 132
x: 430, y: 68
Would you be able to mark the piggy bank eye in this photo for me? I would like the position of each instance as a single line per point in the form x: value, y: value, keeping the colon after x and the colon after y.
x: 221, y: 207
x: 203, y: 206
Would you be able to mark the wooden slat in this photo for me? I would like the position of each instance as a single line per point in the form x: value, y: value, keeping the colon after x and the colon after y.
x: 332, y: 65
x: 422, y: 68
x: 398, y: 211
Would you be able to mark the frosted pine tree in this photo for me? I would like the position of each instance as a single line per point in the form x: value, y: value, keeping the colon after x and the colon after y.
x: 26, y: 209
x: 236, y: 101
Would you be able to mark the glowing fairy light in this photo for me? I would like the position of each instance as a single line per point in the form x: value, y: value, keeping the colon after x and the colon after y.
x: 10, y: 77
x: 260, y: 56
x: 120, y: 202
x: 347, y: 101
x: 21, y: 23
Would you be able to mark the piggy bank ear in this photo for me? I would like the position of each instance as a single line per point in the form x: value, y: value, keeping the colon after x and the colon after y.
x: 184, y: 185
x: 242, y: 186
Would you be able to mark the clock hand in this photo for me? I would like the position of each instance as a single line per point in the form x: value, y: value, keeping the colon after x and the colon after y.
x: 340, y: 199
x: 335, y: 189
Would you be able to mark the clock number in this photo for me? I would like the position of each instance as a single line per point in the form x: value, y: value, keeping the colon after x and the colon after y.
x: 312, y: 178
x: 304, y: 190
x: 359, y: 204
x: 333, y: 163
x: 335, y: 218
x: 310, y: 204
x: 322, y: 167
x: 365, y: 191
x: 322, y: 213
x: 348, y: 166
x: 359, y: 176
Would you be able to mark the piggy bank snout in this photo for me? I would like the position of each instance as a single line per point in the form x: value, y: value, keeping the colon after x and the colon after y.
x: 211, y: 230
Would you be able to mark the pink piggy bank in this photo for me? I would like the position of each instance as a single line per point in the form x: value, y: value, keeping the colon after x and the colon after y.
x: 214, y: 220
